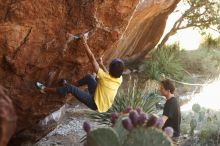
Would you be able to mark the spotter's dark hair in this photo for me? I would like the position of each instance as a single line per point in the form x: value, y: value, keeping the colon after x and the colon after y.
x: 168, y: 85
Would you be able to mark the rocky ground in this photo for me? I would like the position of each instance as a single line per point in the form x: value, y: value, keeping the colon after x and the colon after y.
x: 69, y: 131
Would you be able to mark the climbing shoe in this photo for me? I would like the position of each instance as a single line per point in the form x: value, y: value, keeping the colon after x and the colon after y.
x: 40, y: 87
x: 62, y: 82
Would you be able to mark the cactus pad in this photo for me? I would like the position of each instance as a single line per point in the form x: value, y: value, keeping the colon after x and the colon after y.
x: 103, y: 137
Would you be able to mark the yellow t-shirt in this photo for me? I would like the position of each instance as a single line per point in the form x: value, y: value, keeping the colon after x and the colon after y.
x: 106, y: 90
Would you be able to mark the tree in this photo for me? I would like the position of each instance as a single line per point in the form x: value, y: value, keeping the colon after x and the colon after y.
x: 202, y: 14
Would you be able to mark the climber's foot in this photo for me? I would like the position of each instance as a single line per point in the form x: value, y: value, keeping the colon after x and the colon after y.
x: 40, y: 87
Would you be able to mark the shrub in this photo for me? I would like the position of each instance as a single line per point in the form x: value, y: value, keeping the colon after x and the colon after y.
x: 165, y: 61
x: 202, y: 62
x: 210, y: 42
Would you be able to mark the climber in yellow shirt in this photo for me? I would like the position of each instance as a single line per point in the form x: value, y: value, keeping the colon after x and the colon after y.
x: 102, y: 92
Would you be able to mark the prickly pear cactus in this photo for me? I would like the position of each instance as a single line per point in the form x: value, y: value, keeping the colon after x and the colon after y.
x: 103, y: 137
x: 135, y: 128
x: 196, y: 108
x: 147, y: 137
x: 193, y: 124
x: 122, y: 132
x: 201, y: 116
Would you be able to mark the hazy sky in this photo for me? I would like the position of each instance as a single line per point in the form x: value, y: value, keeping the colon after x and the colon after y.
x: 188, y: 38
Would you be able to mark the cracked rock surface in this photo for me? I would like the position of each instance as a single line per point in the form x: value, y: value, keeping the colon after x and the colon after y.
x: 37, y: 44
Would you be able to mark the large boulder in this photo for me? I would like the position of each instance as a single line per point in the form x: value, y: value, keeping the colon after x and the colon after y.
x: 36, y: 44
x: 7, y: 118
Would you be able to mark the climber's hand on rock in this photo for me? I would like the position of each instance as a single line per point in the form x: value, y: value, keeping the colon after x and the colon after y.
x: 100, y: 60
x: 84, y: 39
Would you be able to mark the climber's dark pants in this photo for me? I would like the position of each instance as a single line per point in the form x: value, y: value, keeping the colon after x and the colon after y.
x: 82, y: 96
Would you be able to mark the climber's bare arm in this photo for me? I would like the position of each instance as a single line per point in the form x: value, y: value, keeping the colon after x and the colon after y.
x: 90, y: 55
x: 100, y: 61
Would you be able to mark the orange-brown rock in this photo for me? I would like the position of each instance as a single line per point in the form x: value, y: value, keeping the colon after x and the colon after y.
x: 35, y: 44
x: 7, y: 118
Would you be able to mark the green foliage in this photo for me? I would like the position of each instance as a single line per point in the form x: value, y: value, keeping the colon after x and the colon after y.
x: 193, y: 124
x: 180, y: 64
x: 204, y: 62
x: 196, y: 108
x: 185, y: 122
x: 134, y: 97
x: 210, y: 42
x: 103, y: 137
x: 120, y: 135
x: 122, y: 132
x: 210, y: 132
x: 201, y: 116
x: 207, y: 124
x: 210, y: 128
x: 147, y: 137
x: 200, y: 14
x: 165, y: 61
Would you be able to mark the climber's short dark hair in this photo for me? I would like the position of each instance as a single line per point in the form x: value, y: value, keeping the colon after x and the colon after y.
x: 116, y: 68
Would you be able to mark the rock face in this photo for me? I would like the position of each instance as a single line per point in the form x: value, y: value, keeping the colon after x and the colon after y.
x: 7, y: 118
x: 36, y: 44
